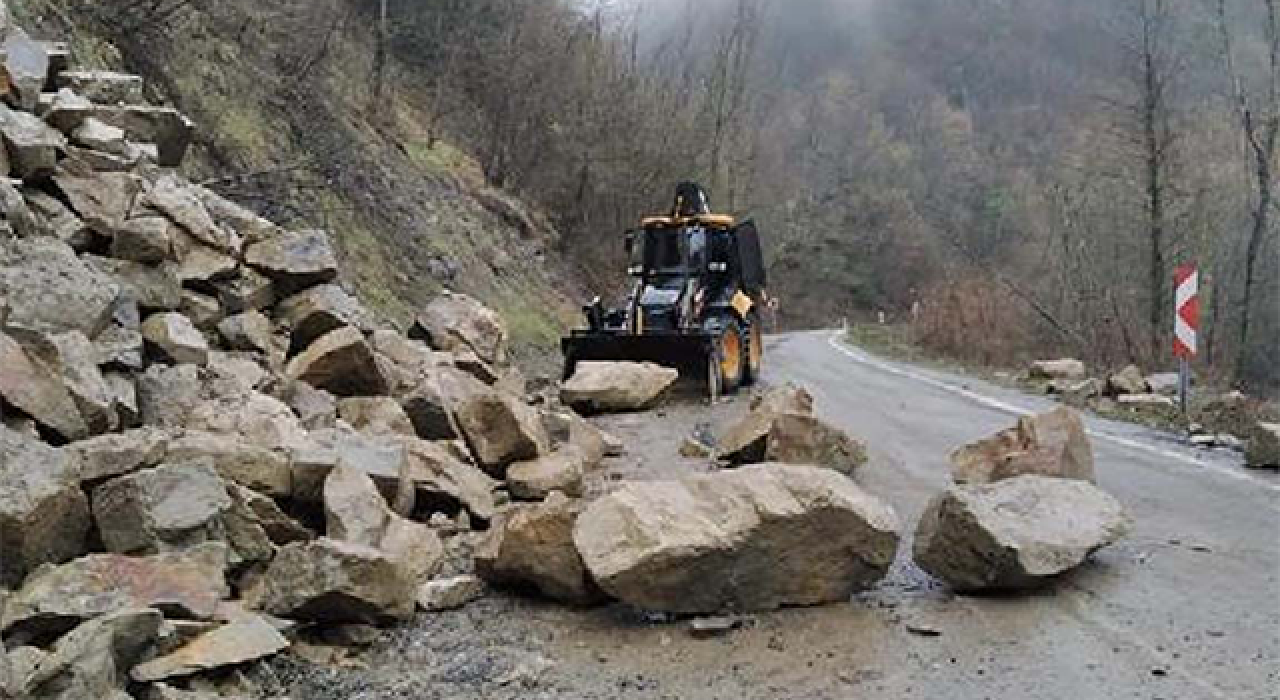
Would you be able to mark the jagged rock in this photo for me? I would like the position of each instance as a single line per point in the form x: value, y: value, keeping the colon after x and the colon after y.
x: 780, y: 427
x: 44, y: 517
x: 168, y: 395
x: 144, y: 240
x: 378, y: 415
x: 316, y: 408
x: 334, y: 582
x: 532, y: 546
x: 756, y: 538
x: 249, y: 291
x: 433, y: 404
x: 342, y: 363
x: 118, y: 454
x: 1058, y: 369
x: 119, y: 348
x: 93, y: 660
x: 103, y: 200
x: 243, y: 368
x: 1264, y: 446
x: 32, y: 145
x: 356, y: 512
x: 1049, y: 444
x: 320, y: 310
x: 160, y: 509
x: 500, y: 430
x: 152, y: 287
x: 457, y: 322
x: 165, y: 127
x: 239, y: 641
x: 295, y: 261
x: 568, y: 428
x: 254, y: 417
x: 611, y: 387
x: 173, y: 338
x: 124, y: 394
x: 180, y: 202
x: 279, y: 528
x: 384, y: 458
x: 233, y: 217
x: 65, y: 110
x: 203, y: 311
x: 36, y: 389
x: 450, y: 593
x: 16, y: 213
x: 186, y: 584
x: 58, y: 220
x: 97, y: 136
x: 202, y: 268
x: 49, y: 289
x: 1015, y: 533
x: 562, y: 470
x: 249, y: 331
x: 253, y: 466
x: 104, y: 87
x: 1127, y: 381
x: 75, y: 360
x: 26, y: 67
x: 440, y: 477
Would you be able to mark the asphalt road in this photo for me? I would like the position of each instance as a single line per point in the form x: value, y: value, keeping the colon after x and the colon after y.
x: 1187, y: 607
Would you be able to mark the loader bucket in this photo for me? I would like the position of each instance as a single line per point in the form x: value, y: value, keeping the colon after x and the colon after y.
x: 687, y: 352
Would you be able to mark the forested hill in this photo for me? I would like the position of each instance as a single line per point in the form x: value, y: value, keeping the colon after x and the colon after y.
x: 1025, y: 173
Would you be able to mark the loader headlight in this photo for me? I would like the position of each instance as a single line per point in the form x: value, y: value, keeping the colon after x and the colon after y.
x: 719, y: 267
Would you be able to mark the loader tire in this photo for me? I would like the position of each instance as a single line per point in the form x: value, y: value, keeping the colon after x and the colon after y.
x: 730, y: 353
x: 755, y: 350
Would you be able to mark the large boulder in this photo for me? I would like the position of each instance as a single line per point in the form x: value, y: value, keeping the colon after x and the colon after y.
x: 44, y: 516
x: 1049, y: 444
x: 251, y: 416
x: 1129, y: 380
x: 103, y: 200
x: 436, y: 398
x: 48, y: 289
x: 36, y: 389
x: 117, y: 454
x: 457, y: 322
x: 342, y: 363
x: 444, y: 482
x: 181, y: 203
x: 1015, y: 533
x: 239, y: 641
x: 1264, y: 446
x: 253, y: 466
x: 169, y: 507
x: 294, y: 261
x: 531, y: 546
x: 501, y: 429
x: 93, y: 660
x: 329, y: 581
x: 1058, y: 369
x: 611, y: 387
x: 562, y: 470
x: 780, y: 427
x: 75, y: 359
x: 172, y: 338
x: 187, y: 585
x: 756, y: 538
x: 356, y: 512
x: 319, y: 310
x: 32, y: 145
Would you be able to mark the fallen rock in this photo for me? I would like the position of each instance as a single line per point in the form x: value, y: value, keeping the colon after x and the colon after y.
x: 320, y: 310
x: 1015, y: 533
x: 161, y: 509
x: 58, y: 220
x: 247, y: 291
x: 294, y: 261
x: 780, y: 427
x: 203, y: 310
x: 379, y: 415
x: 104, y: 87
x: 49, y: 289
x: 187, y: 585
x: 342, y: 363
x: 1146, y: 401
x: 1077, y: 391
x: 252, y: 416
x: 500, y: 430
x: 458, y: 322
x: 433, y: 404
x: 26, y: 67
x: 249, y: 331
x: 173, y: 338
x: 118, y: 454
x: 562, y: 470
x: 93, y: 660
x: 1129, y: 380
x: 756, y: 538
x: 334, y: 582
x: 1058, y: 369
x: 1163, y: 383
x: 253, y: 466
x: 532, y: 546
x: 444, y: 482
x: 450, y: 593
x: 35, y: 389
x: 1050, y: 444
x: 145, y: 239
x: 1264, y: 446
x: 44, y: 517
x: 180, y: 201
x: 165, y: 127
x: 356, y: 512
x: 151, y: 287
x: 614, y: 387
x: 239, y: 641
x: 316, y: 409
x: 32, y: 145
x: 103, y: 200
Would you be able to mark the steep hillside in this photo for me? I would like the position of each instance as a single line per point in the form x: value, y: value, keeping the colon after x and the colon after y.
x: 288, y: 123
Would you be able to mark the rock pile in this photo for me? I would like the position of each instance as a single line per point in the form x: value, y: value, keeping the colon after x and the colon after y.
x: 1023, y: 510
x: 205, y: 440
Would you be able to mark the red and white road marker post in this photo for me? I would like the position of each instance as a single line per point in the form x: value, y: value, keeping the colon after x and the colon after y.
x: 1186, y: 326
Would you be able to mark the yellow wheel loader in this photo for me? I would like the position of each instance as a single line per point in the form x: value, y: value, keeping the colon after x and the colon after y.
x: 696, y: 302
